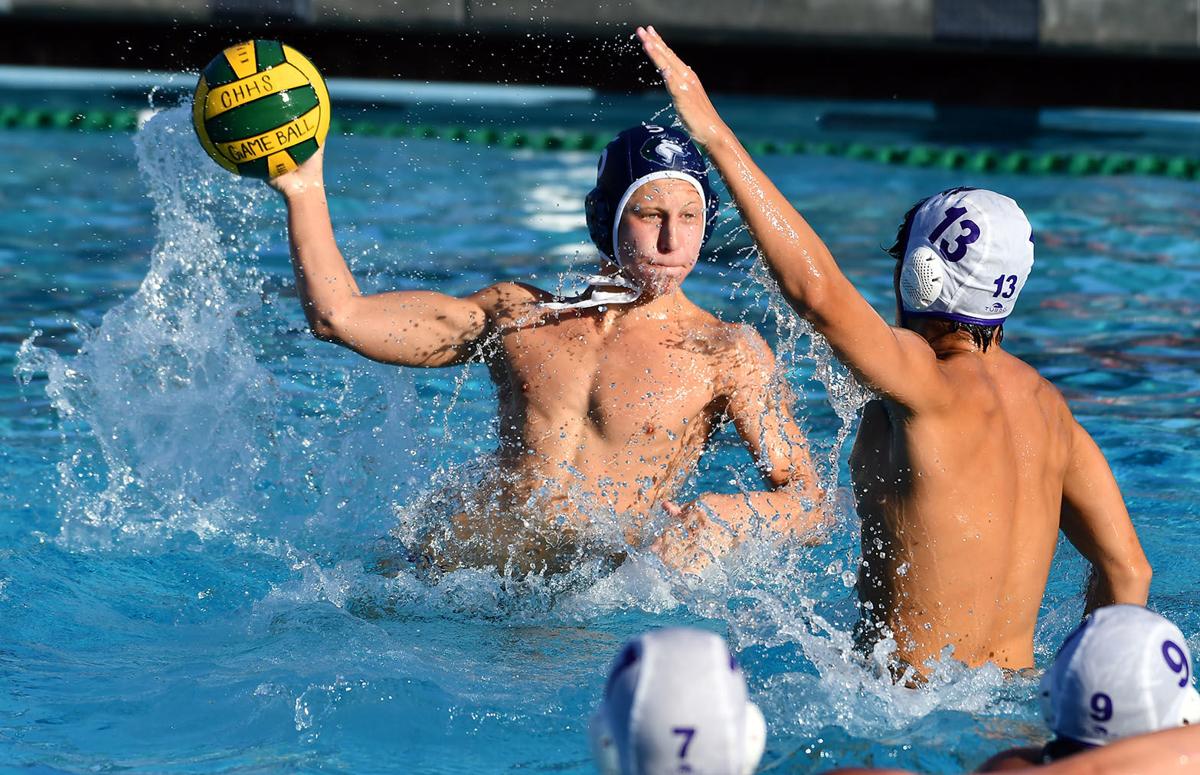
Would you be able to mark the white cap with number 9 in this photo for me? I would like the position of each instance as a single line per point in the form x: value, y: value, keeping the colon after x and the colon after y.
x: 1125, y: 671
x: 676, y: 702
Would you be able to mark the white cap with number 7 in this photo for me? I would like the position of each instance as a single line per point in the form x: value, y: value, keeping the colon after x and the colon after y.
x: 1125, y: 671
x: 676, y: 702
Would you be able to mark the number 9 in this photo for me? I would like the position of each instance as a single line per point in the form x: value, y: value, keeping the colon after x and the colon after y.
x: 1177, y: 661
x: 1101, y: 707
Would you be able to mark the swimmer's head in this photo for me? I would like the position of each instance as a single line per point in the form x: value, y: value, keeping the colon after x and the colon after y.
x: 1125, y: 671
x: 675, y: 702
x: 654, y: 177
x: 963, y: 257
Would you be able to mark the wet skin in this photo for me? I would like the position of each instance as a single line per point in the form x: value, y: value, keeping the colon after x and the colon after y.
x: 966, y: 467
x: 600, y: 410
x: 960, y: 507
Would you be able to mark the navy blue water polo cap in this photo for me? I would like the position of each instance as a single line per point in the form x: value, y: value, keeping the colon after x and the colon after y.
x: 635, y: 157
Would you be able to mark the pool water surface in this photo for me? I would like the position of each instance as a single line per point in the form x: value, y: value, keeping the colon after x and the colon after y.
x: 197, y: 491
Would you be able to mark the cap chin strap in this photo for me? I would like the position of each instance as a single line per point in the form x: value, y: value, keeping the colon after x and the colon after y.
x: 599, y: 293
x: 608, y: 759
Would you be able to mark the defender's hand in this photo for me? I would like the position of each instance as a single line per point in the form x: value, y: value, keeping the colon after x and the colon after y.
x: 691, y: 102
x: 309, y: 175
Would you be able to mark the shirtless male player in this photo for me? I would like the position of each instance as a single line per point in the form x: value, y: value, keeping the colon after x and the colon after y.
x: 607, y: 398
x: 969, y: 463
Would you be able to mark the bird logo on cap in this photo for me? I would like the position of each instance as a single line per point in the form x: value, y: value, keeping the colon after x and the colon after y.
x: 666, y: 149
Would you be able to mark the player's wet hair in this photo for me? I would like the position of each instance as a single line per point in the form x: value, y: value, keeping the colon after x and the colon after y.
x: 983, y: 336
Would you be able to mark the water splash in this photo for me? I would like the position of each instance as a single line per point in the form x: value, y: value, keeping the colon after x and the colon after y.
x: 163, y: 400
x: 197, y: 410
x: 172, y: 421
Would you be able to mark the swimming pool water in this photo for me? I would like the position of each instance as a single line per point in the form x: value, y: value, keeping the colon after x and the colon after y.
x: 196, y: 490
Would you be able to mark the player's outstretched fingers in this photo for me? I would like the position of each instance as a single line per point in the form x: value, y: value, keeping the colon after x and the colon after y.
x: 652, y: 51
x: 695, y: 110
x: 660, y: 53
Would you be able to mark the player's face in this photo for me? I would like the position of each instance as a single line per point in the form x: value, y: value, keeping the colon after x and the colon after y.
x: 660, y: 233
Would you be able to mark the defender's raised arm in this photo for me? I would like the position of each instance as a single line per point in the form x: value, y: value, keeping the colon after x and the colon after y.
x: 407, y: 328
x: 893, y: 362
x: 969, y: 462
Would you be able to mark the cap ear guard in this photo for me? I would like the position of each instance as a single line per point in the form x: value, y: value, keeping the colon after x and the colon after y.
x: 1191, y: 707
x: 598, y: 210
x: 712, y: 208
x: 921, y: 279
x: 1046, y: 700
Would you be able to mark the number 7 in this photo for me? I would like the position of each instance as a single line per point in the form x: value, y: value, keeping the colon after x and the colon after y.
x: 687, y: 733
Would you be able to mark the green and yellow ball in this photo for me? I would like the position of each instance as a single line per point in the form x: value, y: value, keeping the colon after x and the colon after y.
x: 261, y: 109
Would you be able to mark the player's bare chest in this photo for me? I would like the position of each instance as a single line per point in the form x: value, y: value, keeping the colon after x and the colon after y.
x: 627, y: 372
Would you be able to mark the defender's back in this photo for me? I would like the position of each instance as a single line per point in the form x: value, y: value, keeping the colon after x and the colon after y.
x: 960, y: 510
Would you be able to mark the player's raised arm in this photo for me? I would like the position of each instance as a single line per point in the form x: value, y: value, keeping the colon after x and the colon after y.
x: 407, y: 328
x: 1096, y: 522
x: 895, y: 363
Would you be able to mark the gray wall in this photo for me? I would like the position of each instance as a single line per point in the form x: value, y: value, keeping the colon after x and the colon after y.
x: 1119, y: 26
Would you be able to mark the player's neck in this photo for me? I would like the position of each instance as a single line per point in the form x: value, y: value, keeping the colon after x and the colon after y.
x: 670, y: 303
x: 945, y: 340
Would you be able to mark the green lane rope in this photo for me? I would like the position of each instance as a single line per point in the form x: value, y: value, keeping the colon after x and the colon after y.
x: 978, y: 160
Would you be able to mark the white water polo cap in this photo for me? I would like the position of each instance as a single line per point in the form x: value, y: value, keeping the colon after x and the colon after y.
x: 1125, y: 671
x: 968, y: 255
x: 676, y: 702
